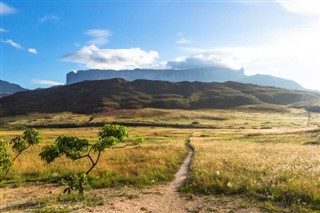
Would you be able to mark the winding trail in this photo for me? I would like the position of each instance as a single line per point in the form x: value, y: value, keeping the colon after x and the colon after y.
x: 164, y: 198
x: 156, y: 199
x: 183, y: 172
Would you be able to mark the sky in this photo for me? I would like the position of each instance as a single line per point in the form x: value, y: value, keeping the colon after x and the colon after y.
x: 41, y: 41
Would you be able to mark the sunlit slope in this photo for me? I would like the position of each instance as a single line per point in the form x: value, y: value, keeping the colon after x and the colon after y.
x: 104, y: 95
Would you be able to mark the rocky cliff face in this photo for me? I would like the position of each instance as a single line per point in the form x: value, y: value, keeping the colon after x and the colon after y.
x: 203, y: 75
x: 214, y: 74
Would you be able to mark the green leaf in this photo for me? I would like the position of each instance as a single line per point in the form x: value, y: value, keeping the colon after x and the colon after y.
x: 105, y: 143
x: 5, y: 159
x: 49, y: 153
x: 32, y: 136
x: 18, y: 144
x: 70, y: 146
x: 117, y: 131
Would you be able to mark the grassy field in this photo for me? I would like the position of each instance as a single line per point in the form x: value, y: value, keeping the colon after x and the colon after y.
x: 276, y: 168
x: 266, y: 153
x: 154, y: 161
x: 253, y: 117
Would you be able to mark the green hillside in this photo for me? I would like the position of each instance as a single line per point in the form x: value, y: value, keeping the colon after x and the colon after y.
x: 105, y: 95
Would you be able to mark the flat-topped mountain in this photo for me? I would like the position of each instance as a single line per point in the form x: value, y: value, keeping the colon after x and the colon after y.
x: 213, y: 74
x: 7, y: 88
x: 104, y: 95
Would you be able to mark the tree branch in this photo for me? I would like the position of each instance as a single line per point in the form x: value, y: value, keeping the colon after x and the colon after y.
x: 121, y: 147
x: 19, y: 154
x: 5, y: 174
x: 95, y: 163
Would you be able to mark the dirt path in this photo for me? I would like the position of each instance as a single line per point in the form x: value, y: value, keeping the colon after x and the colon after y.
x: 160, y: 199
x: 166, y: 199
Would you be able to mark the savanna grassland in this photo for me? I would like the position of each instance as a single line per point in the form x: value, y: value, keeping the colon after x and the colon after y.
x: 265, y: 157
x: 278, y: 168
x: 154, y: 161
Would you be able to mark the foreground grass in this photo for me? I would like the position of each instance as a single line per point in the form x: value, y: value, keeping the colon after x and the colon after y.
x: 272, y: 169
x: 155, y: 161
x: 256, y: 154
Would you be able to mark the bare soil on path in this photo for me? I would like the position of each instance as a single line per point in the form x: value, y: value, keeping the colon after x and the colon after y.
x: 166, y: 199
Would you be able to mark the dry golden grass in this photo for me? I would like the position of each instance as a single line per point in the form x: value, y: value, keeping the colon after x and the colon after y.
x: 273, y: 169
x: 154, y: 161
x: 259, y: 154
x: 257, y: 117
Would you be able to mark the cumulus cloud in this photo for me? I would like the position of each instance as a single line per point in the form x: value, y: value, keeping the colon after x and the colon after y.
x: 12, y: 43
x: 99, y: 36
x: 46, y: 18
x: 2, y: 30
x: 6, y: 9
x: 32, y: 50
x: 203, y: 60
x: 116, y: 59
x: 46, y: 82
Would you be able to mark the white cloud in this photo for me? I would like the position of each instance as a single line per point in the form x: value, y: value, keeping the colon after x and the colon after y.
x: 32, y: 50
x: 99, y: 36
x: 2, y: 30
x: 12, y: 43
x: 46, y: 82
x: 203, y: 60
x: 183, y: 41
x: 49, y: 18
x: 292, y: 54
x: 304, y: 7
x: 18, y: 46
x: 6, y: 9
x: 117, y: 59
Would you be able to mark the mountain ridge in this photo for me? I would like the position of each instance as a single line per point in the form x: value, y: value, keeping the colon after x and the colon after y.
x: 7, y: 88
x: 104, y: 95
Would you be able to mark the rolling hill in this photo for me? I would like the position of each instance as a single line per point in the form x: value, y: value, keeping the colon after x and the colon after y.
x: 104, y: 95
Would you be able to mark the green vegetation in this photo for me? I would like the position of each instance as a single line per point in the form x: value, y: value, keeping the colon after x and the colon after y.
x: 155, y: 161
x: 74, y: 148
x: 117, y: 94
x: 19, y: 144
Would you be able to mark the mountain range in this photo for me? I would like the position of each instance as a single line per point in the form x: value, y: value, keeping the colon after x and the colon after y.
x: 213, y: 74
x: 104, y: 95
x: 7, y: 88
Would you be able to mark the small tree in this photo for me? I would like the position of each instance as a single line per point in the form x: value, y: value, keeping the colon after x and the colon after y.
x: 75, y: 148
x: 19, y: 144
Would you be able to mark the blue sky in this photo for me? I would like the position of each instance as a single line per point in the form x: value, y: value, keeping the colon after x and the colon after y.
x: 41, y: 41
